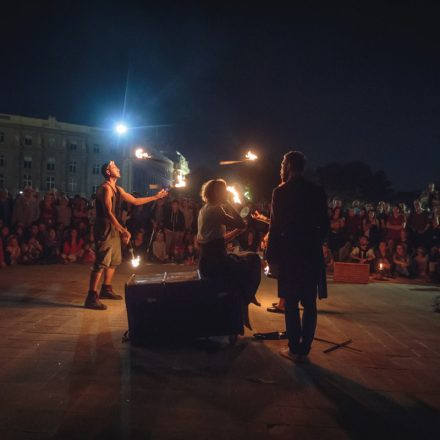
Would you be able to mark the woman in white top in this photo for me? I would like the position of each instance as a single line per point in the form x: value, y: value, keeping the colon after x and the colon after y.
x: 215, y: 217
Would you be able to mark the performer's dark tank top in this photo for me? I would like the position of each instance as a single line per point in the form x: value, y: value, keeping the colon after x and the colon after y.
x: 103, y: 223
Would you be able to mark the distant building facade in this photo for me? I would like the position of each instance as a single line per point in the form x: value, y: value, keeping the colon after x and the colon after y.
x: 48, y: 155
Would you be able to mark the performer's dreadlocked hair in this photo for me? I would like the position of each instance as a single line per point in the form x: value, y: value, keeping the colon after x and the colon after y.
x: 297, y: 160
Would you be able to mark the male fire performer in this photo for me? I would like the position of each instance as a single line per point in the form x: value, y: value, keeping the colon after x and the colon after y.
x: 108, y: 233
x: 298, y: 225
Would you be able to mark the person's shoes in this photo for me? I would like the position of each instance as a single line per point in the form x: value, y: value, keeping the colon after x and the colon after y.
x: 107, y: 293
x: 275, y: 309
x: 302, y: 359
x: 270, y: 336
x: 92, y: 302
x: 286, y: 353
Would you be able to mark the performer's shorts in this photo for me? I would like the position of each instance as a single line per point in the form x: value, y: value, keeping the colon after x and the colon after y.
x: 108, y: 250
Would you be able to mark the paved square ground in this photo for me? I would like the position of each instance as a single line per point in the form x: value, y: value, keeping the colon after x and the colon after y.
x: 64, y: 372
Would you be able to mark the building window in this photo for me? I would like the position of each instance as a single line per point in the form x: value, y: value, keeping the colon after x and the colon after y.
x: 50, y: 182
x: 27, y: 162
x: 50, y: 164
x: 73, y: 146
x: 72, y: 167
x: 28, y: 140
x: 71, y: 184
x: 94, y: 189
x: 27, y: 180
x: 96, y: 148
x: 96, y: 169
x: 2, y: 136
x: 2, y: 160
x: 51, y: 141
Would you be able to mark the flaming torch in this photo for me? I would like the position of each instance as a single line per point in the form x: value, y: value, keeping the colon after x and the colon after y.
x: 249, y: 157
x: 135, y: 261
x: 141, y: 154
x: 235, y: 195
x: 180, y: 181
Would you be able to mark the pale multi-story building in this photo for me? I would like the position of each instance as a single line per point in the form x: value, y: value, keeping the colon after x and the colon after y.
x: 48, y: 154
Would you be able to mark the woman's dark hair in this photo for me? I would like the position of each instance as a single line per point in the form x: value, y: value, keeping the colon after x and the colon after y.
x: 209, y: 188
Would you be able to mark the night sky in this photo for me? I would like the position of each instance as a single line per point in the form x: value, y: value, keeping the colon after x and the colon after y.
x: 341, y: 83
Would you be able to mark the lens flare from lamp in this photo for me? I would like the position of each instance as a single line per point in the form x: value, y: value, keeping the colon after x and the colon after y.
x: 251, y: 156
x: 120, y: 128
x: 234, y: 192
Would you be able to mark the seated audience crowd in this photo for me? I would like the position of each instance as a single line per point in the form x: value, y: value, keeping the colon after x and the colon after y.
x: 394, y: 241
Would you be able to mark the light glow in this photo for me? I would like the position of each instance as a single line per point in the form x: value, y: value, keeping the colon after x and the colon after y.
x: 135, y: 261
x: 251, y: 156
x: 141, y: 154
x: 235, y: 194
x: 120, y: 128
x: 180, y: 181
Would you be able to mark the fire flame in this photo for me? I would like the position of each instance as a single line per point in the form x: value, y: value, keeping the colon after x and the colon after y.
x: 234, y: 192
x: 251, y: 156
x: 380, y: 266
x: 135, y: 261
x: 140, y: 154
x: 266, y: 270
x: 181, y: 182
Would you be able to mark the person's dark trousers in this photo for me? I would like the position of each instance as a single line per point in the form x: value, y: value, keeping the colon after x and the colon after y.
x: 300, y: 332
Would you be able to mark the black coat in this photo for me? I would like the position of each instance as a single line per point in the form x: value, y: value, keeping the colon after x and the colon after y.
x: 299, y: 224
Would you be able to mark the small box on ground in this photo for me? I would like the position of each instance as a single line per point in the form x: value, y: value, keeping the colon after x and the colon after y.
x: 351, y: 273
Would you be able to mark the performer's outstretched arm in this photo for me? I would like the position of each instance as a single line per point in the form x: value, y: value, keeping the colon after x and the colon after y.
x: 142, y: 200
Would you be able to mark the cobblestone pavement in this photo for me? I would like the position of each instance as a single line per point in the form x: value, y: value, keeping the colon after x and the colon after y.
x: 64, y: 372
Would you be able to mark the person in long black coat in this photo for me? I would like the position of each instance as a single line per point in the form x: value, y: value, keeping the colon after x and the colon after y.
x: 299, y: 224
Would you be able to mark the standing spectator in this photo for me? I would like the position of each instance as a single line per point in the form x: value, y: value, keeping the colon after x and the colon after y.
x: 419, y: 224
x: 188, y: 214
x: 395, y: 224
x: 63, y: 212
x: 174, y: 227
x: 370, y: 226
x: 335, y: 240
x: 47, y: 209
x: 402, y: 262
x: 26, y: 210
x: 352, y: 225
x: 72, y: 248
x: 79, y: 212
x: 158, y: 214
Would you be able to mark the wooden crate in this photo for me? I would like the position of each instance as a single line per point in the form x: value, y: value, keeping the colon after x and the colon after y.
x: 351, y: 273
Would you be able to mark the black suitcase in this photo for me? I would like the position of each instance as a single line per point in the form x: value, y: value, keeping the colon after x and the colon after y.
x: 180, y: 305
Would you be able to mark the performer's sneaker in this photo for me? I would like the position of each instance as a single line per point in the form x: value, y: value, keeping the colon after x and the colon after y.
x: 107, y: 293
x: 286, y: 353
x: 92, y: 302
x: 275, y: 309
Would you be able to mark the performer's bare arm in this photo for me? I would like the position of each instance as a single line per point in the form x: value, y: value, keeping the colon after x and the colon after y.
x: 142, y: 200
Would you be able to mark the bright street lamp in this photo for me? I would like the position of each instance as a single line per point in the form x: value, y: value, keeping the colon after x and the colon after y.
x: 120, y: 128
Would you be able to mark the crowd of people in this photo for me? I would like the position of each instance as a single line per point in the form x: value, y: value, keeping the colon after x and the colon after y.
x: 396, y: 241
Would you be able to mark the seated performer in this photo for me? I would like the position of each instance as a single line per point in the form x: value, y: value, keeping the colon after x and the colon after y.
x: 243, y: 272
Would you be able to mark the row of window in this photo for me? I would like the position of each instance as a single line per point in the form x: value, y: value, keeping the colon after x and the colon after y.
x: 50, y: 165
x: 73, y: 146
